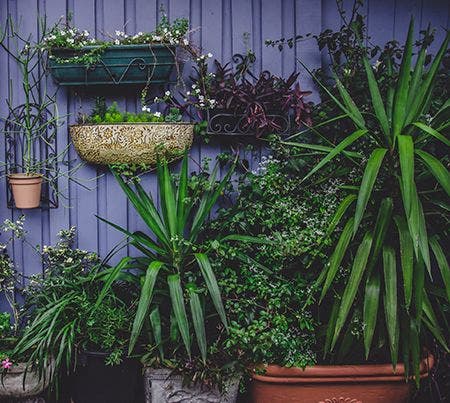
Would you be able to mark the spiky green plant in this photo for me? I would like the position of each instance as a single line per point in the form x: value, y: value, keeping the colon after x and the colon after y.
x: 391, y: 216
x: 171, y: 250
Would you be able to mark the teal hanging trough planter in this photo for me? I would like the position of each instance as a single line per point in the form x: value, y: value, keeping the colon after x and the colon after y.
x: 118, y: 65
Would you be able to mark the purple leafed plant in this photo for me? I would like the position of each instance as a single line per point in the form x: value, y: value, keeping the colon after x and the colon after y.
x: 236, y: 90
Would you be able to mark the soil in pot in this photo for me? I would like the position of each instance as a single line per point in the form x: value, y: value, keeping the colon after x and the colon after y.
x: 26, y: 189
x: 334, y: 383
x: 95, y: 382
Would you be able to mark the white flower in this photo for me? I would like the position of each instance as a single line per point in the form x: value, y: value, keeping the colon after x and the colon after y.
x: 140, y: 33
x: 210, y: 55
x: 188, y: 93
x: 145, y: 109
x: 118, y: 33
x: 157, y: 114
x: 117, y: 42
x: 156, y: 38
x: 167, y: 93
x: 185, y: 42
x: 156, y: 100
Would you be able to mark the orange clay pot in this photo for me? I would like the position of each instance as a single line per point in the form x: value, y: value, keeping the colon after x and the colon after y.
x: 334, y: 384
x: 26, y: 189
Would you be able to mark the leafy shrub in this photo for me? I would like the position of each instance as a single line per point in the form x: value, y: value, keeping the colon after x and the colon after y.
x: 268, y: 288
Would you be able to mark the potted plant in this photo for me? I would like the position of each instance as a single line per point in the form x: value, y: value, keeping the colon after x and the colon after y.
x: 109, y: 136
x: 31, y: 127
x: 268, y: 288
x: 86, y: 340
x: 180, y: 295
x: 234, y: 101
x: 17, y: 380
x: 391, y: 232
x: 75, y: 59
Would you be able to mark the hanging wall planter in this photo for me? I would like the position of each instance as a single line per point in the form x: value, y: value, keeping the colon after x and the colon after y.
x: 118, y: 64
x: 130, y: 143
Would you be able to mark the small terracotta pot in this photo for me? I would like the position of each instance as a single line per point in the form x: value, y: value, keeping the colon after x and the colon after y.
x: 335, y: 384
x: 26, y: 189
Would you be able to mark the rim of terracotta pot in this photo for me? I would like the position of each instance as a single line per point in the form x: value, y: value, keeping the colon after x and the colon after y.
x: 339, y: 373
x: 133, y: 124
x: 23, y: 175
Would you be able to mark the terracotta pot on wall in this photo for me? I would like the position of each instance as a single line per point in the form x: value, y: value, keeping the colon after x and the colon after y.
x: 26, y: 189
x: 376, y: 383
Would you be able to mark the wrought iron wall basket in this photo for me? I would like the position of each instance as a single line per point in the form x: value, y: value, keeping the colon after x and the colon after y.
x: 119, y: 64
x: 231, y: 124
x: 130, y: 143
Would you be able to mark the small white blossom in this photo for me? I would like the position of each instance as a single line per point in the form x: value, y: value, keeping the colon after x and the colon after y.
x: 157, y: 114
x: 167, y: 93
x: 210, y: 55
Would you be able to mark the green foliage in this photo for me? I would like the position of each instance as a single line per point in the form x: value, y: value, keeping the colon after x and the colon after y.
x: 103, y: 114
x: 87, y: 50
x: 62, y: 311
x: 174, y: 263
x: 404, y: 181
x: 267, y: 287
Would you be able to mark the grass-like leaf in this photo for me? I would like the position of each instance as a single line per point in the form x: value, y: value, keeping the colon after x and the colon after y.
x: 370, y: 309
x: 406, y: 258
x: 402, y: 89
x: 365, y: 190
x: 390, y: 300
x: 359, y: 265
x: 437, y: 169
x: 337, y: 256
x: 144, y: 302
x: 442, y: 263
x: 179, y: 310
x: 155, y: 322
x: 213, y: 287
x: 337, y: 150
x: 199, y: 322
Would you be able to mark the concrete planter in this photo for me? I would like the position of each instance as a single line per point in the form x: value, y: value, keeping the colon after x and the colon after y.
x: 14, y: 385
x: 161, y: 386
x: 131, y: 143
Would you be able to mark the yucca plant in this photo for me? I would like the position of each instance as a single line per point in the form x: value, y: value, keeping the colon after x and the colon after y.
x: 171, y: 250
x: 397, y: 219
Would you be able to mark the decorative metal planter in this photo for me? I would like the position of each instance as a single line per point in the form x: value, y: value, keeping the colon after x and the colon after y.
x: 231, y: 124
x: 161, y: 386
x: 119, y: 64
x: 130, y: 143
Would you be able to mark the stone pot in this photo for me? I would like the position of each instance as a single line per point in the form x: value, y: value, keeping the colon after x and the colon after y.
x: 131, y: 143
x: 162, y: 386
x: 377, y: 383
x: 12, y: 383
x: 26, y: 189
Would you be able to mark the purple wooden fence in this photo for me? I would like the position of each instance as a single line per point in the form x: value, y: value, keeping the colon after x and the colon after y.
x: 219, y: 27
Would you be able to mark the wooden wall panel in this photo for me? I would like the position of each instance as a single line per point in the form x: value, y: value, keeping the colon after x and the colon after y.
x: 219, y: 27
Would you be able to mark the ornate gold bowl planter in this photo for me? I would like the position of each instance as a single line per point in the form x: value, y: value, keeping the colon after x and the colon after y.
x: 131, y: 143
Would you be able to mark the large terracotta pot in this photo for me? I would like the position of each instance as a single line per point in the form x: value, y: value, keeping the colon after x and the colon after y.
x: 334, y: 384
x: 26, y: 189
x: 130, y: 143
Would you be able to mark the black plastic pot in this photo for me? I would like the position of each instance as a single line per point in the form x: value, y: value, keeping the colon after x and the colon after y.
x: 96, y: 382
